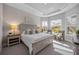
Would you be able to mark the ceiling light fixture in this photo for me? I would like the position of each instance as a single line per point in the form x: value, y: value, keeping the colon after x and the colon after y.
x: 45, y: 3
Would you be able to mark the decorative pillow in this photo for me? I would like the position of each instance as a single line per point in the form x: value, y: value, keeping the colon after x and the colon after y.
x: 25, y: 31
x: 36, y: 31
x: 30, y: 32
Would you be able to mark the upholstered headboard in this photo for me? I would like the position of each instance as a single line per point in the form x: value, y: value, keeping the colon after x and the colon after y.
x: 24, y: 27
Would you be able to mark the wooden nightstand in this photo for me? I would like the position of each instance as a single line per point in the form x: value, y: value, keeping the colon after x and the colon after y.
x: 13, y: 39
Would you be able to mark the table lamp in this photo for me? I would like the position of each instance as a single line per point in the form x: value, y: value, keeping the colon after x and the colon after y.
x: 14, y: 28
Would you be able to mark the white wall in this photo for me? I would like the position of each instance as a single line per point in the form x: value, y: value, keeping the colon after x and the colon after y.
x: 1, y: 16
x: 13, y: 15
x: 77, y: 7
x: 32, y: 19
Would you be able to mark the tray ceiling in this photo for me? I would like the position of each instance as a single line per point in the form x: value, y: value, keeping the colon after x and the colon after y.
x: 44, y: 9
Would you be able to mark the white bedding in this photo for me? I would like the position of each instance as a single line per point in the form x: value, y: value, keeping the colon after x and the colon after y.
x: 33, y: 38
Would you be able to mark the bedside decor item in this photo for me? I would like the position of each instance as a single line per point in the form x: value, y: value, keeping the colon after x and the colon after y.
x: 10, y: 33
x: 14, y: 29
x: 77, y: 32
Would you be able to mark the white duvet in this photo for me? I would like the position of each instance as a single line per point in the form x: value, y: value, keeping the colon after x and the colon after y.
x: 33, y: 38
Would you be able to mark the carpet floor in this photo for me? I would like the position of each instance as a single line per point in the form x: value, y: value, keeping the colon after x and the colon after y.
x: 57, y: 48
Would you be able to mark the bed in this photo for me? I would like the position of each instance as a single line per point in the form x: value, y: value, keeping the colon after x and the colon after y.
x: 36, y: 42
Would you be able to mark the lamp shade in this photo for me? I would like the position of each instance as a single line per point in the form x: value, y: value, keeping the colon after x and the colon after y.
x: 13, y: 26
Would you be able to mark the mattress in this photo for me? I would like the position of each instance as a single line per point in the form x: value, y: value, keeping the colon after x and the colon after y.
x: 36, y: 37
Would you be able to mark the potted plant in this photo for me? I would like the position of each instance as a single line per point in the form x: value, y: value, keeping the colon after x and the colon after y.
x: 77, y: 32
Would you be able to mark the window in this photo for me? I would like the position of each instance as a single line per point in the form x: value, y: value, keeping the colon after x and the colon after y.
x: 44, y: 25
x: 56, y: 25
x: 71, y: 25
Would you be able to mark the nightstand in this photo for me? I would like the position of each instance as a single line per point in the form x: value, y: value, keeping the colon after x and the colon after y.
x: 13, y: 39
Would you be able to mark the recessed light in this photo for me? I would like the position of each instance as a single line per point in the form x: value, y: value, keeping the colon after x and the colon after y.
x: 45, y: 3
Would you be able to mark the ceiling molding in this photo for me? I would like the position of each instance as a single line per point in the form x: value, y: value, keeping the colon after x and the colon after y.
x: 54, y: 11
x: 26, y: 8
x: 62, y: 11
